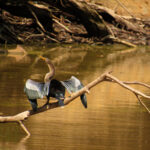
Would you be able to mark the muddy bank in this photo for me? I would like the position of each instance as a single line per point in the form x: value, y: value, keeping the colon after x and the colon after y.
x: 69, y: 21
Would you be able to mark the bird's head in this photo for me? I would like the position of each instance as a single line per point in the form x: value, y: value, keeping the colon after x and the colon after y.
x: 45, y: 59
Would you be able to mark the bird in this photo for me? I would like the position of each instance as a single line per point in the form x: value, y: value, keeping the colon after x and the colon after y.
x: 52, y: 88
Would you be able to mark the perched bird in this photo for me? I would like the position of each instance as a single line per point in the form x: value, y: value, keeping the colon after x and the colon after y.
x: 52, y: 88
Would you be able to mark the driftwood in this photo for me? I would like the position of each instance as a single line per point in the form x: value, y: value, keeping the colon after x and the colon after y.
x: 19, y: 118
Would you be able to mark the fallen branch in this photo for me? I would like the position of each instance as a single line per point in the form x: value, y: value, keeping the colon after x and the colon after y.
x: 37, y: 20
x: 63, y: 26
x: 104, y: 77
x: 117, y: 40
x: 24, y: 115
x: 34, y: 35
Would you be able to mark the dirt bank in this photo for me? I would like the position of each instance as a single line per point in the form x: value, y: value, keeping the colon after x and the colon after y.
x: 69, y: 21
x: 137, y: 8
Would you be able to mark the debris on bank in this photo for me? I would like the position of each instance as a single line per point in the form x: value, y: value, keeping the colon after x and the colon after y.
x: 69, y: 21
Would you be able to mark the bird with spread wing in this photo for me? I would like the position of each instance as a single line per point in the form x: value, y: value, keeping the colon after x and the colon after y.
x: 52, y: 88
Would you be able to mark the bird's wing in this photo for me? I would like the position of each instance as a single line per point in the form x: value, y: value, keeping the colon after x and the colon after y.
x: 33, y: 85
x: 34, y: 89
x: 73, y: 85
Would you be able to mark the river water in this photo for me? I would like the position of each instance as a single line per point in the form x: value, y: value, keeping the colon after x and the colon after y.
x: 114, y: 119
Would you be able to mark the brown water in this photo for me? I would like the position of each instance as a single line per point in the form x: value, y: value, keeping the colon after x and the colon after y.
x: 114, y: 119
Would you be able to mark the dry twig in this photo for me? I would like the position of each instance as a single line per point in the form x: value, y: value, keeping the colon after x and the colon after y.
x: 63, y: 26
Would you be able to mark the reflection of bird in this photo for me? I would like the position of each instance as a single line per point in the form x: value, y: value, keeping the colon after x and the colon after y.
x: 52, y: 88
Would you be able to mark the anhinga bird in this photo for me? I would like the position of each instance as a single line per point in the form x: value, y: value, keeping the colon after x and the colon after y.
x: 52, y: 88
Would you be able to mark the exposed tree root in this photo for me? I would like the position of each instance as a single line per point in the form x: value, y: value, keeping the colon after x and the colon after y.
x: 68, y: 21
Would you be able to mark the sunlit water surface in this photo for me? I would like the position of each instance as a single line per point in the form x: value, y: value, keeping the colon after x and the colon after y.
x: 114, y: 119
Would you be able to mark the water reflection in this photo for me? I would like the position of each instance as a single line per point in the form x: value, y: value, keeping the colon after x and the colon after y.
x: 114, y: 119
x: 19, y: 145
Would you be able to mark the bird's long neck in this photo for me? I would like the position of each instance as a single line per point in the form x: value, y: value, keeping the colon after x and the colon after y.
x: 51, y: 72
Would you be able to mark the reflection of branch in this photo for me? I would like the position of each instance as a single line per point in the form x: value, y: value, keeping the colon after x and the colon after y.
x: 18, y: 53
x: 21, y: 145
x: 24, y: 139
x: 104, y: 77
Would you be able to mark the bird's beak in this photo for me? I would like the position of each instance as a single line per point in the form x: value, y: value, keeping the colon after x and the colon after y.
x: 42, y: 57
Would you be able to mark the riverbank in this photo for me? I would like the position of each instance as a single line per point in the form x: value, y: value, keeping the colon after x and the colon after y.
x: 70, y: 21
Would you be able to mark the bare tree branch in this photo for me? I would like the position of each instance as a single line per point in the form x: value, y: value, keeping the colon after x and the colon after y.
x: 24, y: 128
x: 114, y: 79
x: 104, y: 77
x: 138, y: 83
x: 24, y: 115
x: 142, y: 103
